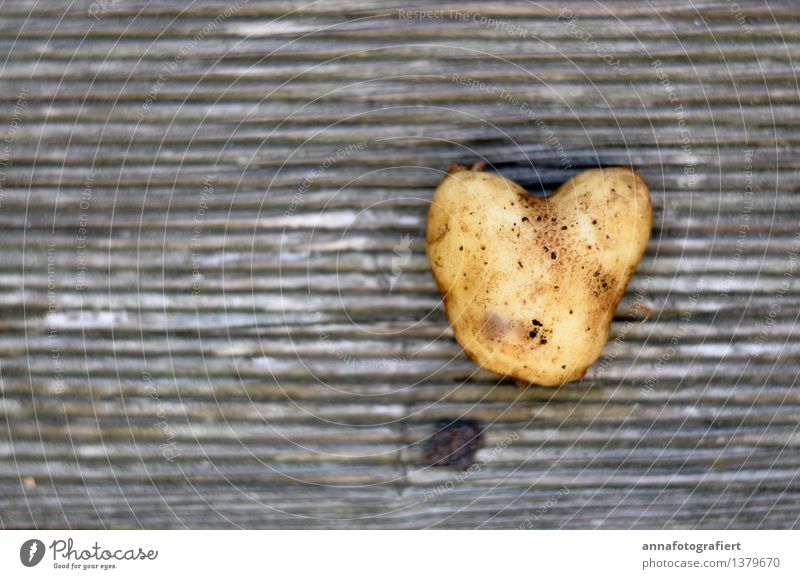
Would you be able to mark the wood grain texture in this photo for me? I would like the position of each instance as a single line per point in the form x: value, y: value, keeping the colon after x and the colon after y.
x: 215, y: 307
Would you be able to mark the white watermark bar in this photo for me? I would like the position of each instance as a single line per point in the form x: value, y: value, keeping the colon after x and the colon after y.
x: 401, y: 554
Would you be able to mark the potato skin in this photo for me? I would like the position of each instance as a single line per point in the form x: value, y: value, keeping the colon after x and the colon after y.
x: 530, y: 284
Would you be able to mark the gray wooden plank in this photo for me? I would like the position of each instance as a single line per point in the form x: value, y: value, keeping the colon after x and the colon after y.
x: 689, y: 420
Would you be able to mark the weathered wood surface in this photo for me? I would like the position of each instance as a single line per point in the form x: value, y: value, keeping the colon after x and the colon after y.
x: 193, y: 338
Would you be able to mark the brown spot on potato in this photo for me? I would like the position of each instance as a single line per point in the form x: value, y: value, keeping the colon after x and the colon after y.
x: 439, y: 233
x: 495, y: 327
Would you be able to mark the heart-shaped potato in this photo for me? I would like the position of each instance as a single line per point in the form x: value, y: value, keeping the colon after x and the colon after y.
x: 531, y: 284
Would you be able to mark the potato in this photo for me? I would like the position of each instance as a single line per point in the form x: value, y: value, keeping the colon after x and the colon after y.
x: 531, y: 284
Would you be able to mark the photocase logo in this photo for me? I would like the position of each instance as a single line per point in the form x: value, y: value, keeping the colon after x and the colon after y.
x: 31, y: 552
x: 402, y: 255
